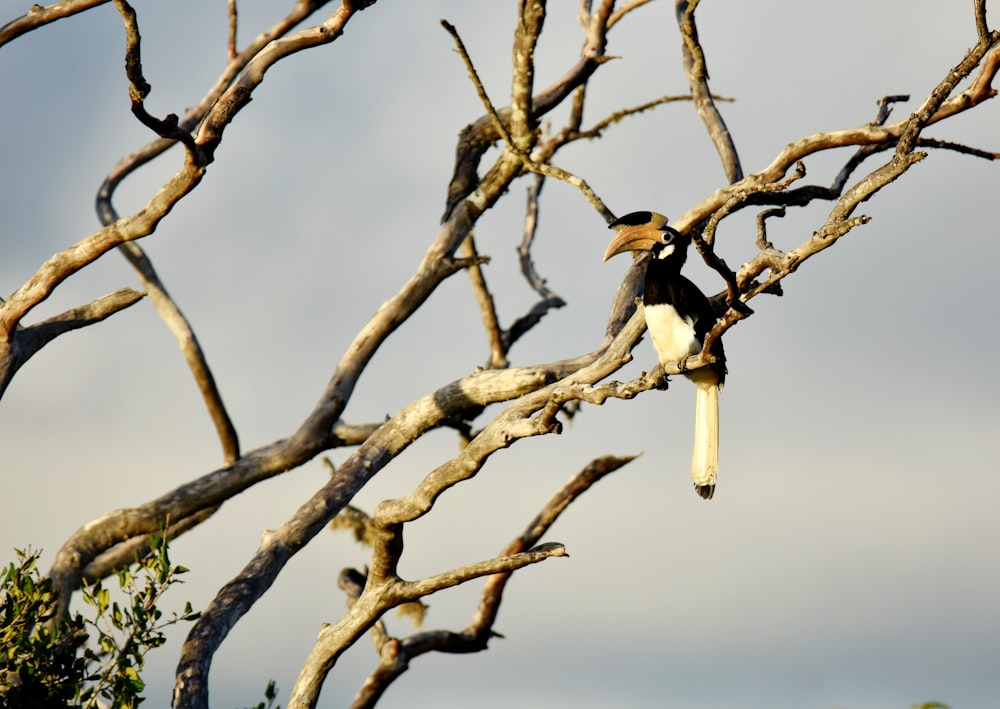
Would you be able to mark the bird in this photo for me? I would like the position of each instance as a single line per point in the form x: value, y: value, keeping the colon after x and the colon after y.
x: 678, y: 318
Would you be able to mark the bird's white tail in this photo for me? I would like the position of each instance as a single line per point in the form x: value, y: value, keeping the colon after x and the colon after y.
x: 705, y: 459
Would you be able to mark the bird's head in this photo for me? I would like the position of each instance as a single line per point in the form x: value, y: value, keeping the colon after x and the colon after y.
x: 644, y: 231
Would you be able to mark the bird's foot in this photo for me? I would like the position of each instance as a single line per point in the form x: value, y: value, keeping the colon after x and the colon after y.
x: 661, y: 378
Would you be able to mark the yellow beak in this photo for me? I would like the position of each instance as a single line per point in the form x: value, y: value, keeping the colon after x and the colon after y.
x: 635, y: 238
x: 637, y: 231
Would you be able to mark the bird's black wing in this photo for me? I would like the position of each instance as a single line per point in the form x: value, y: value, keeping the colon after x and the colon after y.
x: 686, y: 297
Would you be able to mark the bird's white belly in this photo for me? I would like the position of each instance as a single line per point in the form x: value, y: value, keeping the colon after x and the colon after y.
x: 673, y: 336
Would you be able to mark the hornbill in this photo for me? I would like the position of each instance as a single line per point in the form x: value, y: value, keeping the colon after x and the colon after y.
x: 678, y: 317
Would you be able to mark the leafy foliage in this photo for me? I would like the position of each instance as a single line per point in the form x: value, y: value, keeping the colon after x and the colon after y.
x: 41, y: 663
x: 271, y: 695
x: 54, y: 658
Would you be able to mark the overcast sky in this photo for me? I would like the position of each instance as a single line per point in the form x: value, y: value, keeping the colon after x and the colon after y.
x: 851, y: 556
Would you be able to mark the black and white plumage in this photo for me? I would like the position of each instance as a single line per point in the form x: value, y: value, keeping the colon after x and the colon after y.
x: 678, y: 317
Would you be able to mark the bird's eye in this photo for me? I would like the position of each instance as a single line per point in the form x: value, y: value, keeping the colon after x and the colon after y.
x: 669, y: 235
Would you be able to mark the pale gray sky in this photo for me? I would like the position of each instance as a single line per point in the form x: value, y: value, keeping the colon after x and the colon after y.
x: 850, y: 557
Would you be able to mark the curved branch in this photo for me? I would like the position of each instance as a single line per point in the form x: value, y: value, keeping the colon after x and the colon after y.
x: 238, y: 94
x: 39, y: 16
x: 477, y: 137
x: 383, y: 589
x: 170, y: 313
x: 139, y: 547
x: 513, y: 423
x: 191, y: 349
x: 984, y: 55
x: 697, y: 72
x: 395, y: 658
x: 487, y: 306
x: 212, y: 489
x: 237, y: 596
x: 29, y: 340
x: 476, y: 390
x: 139, y: 88
x: 377, y: 598
x: 550, y: 300
x: 70, y: 260
x: 130, y: 163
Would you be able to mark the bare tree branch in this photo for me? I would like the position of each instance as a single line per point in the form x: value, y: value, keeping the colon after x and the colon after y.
x: 623, y: 11
x: 139, y: 88
x: 487, y: 308
x: 523, y: 122
x: 986, y: 58
x: 127, y: 552
x: 68, y: 261
x: 514, y: 143
x: 535, y: 400
x: 39, y: 16
x: 395, y: 655
x: 802, y: 196
x: 130, y: 163
x: 233, y: 16
x: 238, y: 94
x: 27, y: 341
x: 236, y: 597
x: 171, y: 131
x: 195, y: 357
x: 479, y: 136
x: 387, y: 594
x: 549, y: 299
x: 697, y: 73
x: 536, y: 282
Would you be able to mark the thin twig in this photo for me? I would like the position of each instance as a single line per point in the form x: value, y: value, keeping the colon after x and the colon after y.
x: 526, y: 160
x: 885, y: 107
x: 139, y: 88
x: 231, y: 42
x: 624, y: 10
x: 24, y: 342
x: 487, y: 307
x: 536, y: 282
x: 763, y: 243
x: 191, y: 349
x: 549, y: 299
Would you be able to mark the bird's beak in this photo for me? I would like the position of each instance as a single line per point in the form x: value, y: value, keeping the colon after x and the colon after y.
x: 636, y: 238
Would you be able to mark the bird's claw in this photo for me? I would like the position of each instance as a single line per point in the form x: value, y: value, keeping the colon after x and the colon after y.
x: 661, y: 377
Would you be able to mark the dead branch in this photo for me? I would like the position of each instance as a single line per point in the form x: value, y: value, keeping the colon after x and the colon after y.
x: 477, y: 137
x: 39, y: 16
x: 697, y: 72
x: 389, y: 590
x: 68, y: 261
x: 534, y: 397
x: 139, y: 88
x: 476, y: 636
x: 478, y: 389
x: 191, y: 349
x: 487, y: 307
x: 985, y: 57
x: 378, y: 597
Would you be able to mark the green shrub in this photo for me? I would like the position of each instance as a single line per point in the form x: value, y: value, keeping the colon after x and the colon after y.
x: 52, y: 658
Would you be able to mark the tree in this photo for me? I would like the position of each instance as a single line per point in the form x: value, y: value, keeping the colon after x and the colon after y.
x: 488, y: 409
